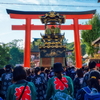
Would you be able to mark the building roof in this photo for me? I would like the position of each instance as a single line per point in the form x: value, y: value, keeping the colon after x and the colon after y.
x: 9, y: 11
x: 35, y: 49
x: 96, y: 41
x: 52, y: 18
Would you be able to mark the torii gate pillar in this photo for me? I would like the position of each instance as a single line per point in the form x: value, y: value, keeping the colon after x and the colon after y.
x: 27, y: 43
x: 77, y: 44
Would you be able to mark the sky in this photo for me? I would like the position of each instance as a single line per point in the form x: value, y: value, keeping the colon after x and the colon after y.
x: 6, y: 32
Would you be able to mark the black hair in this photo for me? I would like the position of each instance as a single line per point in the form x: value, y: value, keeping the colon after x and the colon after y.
x: 58, y: 74
x: 79, y: 73
x: 19, y: 73
x: 93, y: 83
x: 37, y: 69
x: 47, y: 71
x: 92, y: 64
x: 42, y: 68
x: 28, y: 72
x: 8, y: 68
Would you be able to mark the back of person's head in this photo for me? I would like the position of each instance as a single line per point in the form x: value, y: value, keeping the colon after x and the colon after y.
x: 8, y: 68
x: 93, y: 82
x: 37, y: 69
x: 79, y: 73
x: 95, y: 74
x: 19, y: 73
x: 92, y: 64
x: 58, y: 69
x: 42, y: 68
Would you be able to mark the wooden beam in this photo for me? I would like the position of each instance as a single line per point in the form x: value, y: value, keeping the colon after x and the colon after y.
x: 22, y: 16
x: 41, y: 27
x: 85, y: 16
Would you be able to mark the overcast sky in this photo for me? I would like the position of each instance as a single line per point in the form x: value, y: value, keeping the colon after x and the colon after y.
x: 7, y: 34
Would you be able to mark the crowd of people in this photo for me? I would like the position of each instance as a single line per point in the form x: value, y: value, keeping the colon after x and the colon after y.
x: 57, y: 83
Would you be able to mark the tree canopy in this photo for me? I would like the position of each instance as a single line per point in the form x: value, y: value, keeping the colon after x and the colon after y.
x: 16, y: 56
x: 16, y: 51
x: 4, y: 55
x: 88, y: 36
x: 11, y: 53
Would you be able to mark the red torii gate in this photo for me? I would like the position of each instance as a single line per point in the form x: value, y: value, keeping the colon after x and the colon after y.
x: 35, y: 15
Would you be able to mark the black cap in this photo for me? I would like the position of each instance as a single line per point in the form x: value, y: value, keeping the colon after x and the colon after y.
x: 95, y: 74
x: 57, y: 67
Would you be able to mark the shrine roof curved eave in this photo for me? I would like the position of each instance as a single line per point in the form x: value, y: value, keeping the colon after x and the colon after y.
x: 9, y: 11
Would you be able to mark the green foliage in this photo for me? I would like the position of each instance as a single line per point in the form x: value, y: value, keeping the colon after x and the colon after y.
x: 4, y: 55
x: 15, y: 43
x: 11, y: 53
x: 70, y: 46
x: 16, y: 51
x: 16, y: 56
x: 88, y: 36
x: 83, y: 49
x: 38, y: 42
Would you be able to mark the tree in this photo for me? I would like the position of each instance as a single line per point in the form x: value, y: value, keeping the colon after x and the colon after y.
x: 11, y: 53
x: 16, y: 43
x: 16, y: 51
x: 4, y: 55
x: 70, y: 46
x: 38, y: 42
x: 83, y: 49
x: 88, y: 36
x: 16, y: 56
